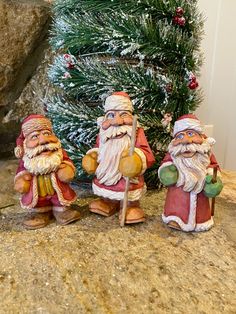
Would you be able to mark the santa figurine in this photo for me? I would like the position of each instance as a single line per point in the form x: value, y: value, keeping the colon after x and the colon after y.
x: 43, y: 175
x: 187, y: 171
x: 110, y: 162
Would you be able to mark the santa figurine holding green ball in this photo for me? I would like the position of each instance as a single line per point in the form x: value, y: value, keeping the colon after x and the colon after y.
x: 187, y: 171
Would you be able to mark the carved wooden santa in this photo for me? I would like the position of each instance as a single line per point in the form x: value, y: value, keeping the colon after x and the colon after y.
x: 187, y: 171
x: 110, y: 162
x: 43, y: 175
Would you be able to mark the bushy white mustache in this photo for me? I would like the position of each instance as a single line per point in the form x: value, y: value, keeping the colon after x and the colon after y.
x: 114, y: 131
x: 33, y: 152
x: 43, y: 164
x: 203, y: 148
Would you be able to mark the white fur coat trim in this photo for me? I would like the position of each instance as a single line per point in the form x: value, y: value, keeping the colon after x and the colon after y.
x: 134, y: 195
x: 205, y: 225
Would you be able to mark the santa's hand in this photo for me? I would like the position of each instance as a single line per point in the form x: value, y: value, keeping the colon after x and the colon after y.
x: 22, y: 183
x: 65, y: 173
x: 89, y: 163
x: 130, y: 166
x: 168, y: 175
x: 212, y: 189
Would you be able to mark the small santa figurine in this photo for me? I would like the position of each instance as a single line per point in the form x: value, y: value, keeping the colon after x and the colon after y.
x: 43, y: 175
x: 110, y: 163
x: 187, y: 171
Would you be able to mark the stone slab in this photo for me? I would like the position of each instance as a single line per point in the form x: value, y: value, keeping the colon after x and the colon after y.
x: 94, y: 266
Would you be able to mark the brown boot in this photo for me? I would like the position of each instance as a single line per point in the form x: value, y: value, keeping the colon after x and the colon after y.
x: 37, y: 220
x: 104, y: 207
x: 134, y: 213
x: 174, y: 225
x: 67, y: 216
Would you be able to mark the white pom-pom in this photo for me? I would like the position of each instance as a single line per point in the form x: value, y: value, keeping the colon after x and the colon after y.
x: 99, y: 121
x: 211, y: 141
x: 19, y: 152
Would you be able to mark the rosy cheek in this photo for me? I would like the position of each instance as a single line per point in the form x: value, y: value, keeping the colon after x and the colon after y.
x: 128, y: 121
x: 31, y: 143
x: 197, y: 140
x: 106, y: 124
x: 176, y: 142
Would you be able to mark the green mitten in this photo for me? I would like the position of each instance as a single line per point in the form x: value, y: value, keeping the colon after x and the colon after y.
x: 169, y: 175
x: 212, y: 189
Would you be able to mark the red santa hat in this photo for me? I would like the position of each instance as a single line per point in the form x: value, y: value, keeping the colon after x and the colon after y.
x: 118, y: 101
x: 187, y: 121
x: 34, y: 122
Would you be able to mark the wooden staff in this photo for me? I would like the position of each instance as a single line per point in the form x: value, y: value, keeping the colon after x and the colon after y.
x: 214, y: 180
x: 127, y: 179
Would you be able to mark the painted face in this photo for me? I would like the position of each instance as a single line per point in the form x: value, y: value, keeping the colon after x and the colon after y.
x: 41, y: 137
x: 117, y: 118
x: 187, y: 137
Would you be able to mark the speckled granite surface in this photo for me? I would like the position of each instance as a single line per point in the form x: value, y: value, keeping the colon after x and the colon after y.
x: 94, y: 266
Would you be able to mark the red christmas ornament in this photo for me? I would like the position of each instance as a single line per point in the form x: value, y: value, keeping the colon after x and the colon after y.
x: 181, y: 21
x: 179, y: 11
x: 66, y: 56
x: 193, y: 78
x: 193, y: 85
x: 66, y: 75
x: 175, y: 20
x: 70, y: 65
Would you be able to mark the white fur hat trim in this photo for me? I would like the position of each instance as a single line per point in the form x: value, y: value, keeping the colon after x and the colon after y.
x: 187, y: 123
x: 118, y: 102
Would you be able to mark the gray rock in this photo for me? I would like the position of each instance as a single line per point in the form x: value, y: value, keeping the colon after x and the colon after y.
x: 24, y: 25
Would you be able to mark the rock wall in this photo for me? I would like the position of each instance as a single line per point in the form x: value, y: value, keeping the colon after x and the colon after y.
x: 24, y: 28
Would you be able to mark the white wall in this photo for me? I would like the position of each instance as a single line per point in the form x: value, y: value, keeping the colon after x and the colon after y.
x: 218, y: 79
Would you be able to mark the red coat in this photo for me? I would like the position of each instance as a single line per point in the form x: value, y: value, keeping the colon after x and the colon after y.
x: 116, y: 191
x: 191, y: 211
x: 64, y: 192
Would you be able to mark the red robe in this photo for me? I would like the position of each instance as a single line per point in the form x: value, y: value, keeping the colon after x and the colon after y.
x: 64, y: 192
x: 191, y: 211
x: 137, y: 187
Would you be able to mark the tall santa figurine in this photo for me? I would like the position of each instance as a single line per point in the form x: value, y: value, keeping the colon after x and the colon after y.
x: 110, y: 163
x: 43, y: 175
x: 187, y: 171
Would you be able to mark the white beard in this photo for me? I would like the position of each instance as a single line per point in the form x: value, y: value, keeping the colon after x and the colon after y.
x: 192, y: 171
x: 109, y: 153
x: 37, y: 164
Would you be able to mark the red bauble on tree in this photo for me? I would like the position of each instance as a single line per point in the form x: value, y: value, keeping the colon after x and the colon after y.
x: 175, y: 20
x: 181, y: 21
x: 192, y: 81
x: 179, y: 11
x: 70, y: 62
x: 193, y: 85
x: 70, y: 65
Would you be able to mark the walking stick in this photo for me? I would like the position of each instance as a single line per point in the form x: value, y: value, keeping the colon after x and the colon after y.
x: 127, y: 180
x: 214, y: 179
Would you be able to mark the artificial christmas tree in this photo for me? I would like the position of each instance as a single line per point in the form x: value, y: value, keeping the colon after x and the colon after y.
x: 147, y: 48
